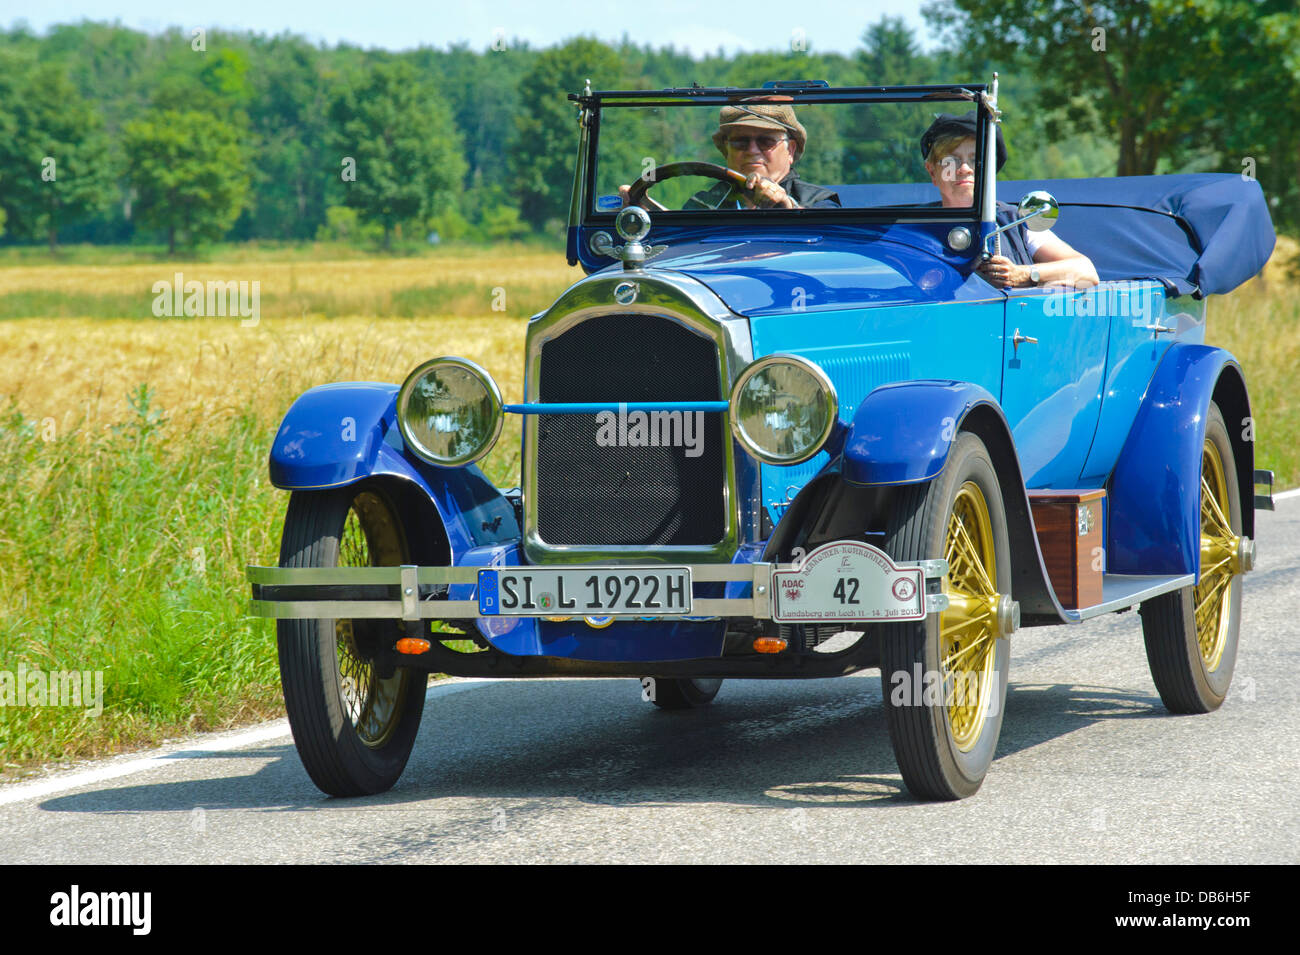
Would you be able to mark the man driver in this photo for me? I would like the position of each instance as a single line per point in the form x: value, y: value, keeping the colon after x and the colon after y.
x: 762, y: 141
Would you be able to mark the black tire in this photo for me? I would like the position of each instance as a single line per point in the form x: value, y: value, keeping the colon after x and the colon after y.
x: 1191, y: 669
x: 944, y: 751
x: 679, y: 694
x: 353, y: 729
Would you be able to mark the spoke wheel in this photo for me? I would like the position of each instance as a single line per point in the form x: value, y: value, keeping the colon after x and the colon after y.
x: 1210, y: 597
x: 1191, y: 635
x: 944, y: 678
x: 354, y: 727
x: 373, y: 704
x: 968, y: 628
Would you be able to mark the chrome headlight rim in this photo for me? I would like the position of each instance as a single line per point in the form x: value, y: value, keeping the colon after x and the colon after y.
x: 494, y: 395
x: 824, y: 382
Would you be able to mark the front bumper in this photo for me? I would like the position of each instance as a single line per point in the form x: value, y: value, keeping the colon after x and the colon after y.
x: 764, y: 591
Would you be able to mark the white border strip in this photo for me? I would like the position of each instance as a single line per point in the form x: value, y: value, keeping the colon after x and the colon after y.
x: 202, y: 746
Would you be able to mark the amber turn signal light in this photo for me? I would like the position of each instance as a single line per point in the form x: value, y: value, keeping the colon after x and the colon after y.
x: 412, y: 645
x: 770, y: 644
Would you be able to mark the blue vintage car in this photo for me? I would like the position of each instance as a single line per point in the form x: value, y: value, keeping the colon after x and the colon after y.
x: 793, y: 432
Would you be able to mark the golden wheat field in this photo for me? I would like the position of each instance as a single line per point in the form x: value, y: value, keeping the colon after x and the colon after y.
x: 76, y: 371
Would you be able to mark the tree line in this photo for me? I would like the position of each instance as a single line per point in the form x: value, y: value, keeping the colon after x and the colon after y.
x: 111, y: 135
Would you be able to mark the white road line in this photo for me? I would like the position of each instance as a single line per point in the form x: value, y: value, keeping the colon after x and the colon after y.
x: 1294, y: 492
x: 217, y: 743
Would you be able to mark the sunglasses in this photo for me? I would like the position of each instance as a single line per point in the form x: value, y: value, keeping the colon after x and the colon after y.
x: 765, y: 143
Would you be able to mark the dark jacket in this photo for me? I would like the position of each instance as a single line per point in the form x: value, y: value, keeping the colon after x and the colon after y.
x: 805, y: 193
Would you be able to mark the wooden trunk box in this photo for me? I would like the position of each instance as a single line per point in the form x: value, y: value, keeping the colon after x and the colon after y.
x: 1068, y: 523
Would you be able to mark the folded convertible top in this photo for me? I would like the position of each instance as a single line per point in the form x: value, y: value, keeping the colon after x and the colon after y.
x: 1198, y: 233
x: 1203, y: 233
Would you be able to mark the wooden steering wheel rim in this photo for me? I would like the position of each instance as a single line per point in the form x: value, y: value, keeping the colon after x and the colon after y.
x: 674, y: 169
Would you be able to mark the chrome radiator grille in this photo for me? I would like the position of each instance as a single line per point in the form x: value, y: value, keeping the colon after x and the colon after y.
x: 597, y: 493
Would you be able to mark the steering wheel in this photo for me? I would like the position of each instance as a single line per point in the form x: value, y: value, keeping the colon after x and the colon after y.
x: 674, y: 169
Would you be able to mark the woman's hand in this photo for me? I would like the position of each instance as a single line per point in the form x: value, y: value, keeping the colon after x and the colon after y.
x: 1001, y: 272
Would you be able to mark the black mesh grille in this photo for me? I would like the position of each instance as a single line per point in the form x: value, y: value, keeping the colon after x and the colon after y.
x: 598, y: 495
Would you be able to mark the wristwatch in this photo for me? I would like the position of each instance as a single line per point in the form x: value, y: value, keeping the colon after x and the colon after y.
x: 1034, y: 275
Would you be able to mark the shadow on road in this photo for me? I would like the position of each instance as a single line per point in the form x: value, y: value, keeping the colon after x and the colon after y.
x: 762, y: 744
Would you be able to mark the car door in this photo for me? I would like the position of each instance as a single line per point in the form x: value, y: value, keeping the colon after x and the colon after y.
x: 1053, y: 368
x: 1144, y: 322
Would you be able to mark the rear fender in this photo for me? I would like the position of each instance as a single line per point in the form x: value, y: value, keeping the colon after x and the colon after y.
x: 1154, y: 526
x: 340, y: 434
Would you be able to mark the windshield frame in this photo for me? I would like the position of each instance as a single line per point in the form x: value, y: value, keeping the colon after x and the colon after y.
x: 591, y: 103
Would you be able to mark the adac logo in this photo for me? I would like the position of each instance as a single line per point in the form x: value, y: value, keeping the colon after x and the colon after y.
x: 625, y: 293
x: 793, y: 593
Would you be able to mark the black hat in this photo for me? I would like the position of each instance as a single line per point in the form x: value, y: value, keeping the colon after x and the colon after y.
x: 945, y: 124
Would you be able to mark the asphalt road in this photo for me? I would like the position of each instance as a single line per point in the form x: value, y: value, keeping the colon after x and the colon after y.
x: 1090, y: 768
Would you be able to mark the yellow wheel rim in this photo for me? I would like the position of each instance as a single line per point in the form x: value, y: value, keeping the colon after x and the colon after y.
x: 968, y: 628
x: 373, y: 705
x: 1219, y: 562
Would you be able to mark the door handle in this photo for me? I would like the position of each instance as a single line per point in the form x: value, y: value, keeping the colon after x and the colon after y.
x: 1017, y: 339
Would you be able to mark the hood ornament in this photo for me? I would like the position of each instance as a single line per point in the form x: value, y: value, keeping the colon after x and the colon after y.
x: 633, y: 224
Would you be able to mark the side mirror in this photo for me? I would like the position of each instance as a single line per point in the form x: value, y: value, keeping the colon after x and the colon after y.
x: 1038, y: 210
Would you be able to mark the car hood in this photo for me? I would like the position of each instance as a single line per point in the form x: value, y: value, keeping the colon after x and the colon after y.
x: 776, y: 275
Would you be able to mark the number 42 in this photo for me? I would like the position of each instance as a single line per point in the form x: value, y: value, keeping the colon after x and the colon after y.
x: 841, y: 595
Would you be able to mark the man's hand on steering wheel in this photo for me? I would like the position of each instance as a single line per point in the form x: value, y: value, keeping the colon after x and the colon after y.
x: 756, y: 192
x: 766, y: 194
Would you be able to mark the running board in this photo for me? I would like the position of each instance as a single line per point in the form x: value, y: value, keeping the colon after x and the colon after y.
x: 1121, y: 591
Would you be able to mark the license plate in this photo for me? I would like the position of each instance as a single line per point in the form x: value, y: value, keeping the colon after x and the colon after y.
x: 848, y: 580
x: 584, y: 591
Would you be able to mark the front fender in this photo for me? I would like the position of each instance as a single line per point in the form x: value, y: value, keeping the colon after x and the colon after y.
x: 338, y: 434
x: 1155, y: 491
x: 332, y: 434
x: 901, y: 433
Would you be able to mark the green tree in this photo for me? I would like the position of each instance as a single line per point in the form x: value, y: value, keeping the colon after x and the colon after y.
x: 289, y: 123
x: 55, y: 154
x: 1156, y: 71
x: 398, y: 151
x: 188, y: 172
x: 545, y: 134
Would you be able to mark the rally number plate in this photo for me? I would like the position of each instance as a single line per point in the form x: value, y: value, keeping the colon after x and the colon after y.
x: 847, y: 580
x: 582, y: 591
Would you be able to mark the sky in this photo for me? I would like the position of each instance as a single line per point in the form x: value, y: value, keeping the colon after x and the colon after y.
x: 700, y: 27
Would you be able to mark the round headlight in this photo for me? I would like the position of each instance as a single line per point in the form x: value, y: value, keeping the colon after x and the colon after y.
x: 783, y: 408
x: 449, y: 411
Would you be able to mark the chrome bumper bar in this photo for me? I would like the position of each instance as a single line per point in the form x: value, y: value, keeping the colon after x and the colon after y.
x: 409, y: 592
